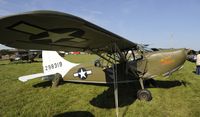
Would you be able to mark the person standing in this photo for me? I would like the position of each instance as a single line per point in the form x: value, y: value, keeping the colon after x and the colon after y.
x: 198, y: 64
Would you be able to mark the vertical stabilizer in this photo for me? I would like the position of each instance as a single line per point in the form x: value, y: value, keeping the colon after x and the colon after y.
x: 53, y: 63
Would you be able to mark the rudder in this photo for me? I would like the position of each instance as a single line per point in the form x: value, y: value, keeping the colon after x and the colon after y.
x: 53, y: 63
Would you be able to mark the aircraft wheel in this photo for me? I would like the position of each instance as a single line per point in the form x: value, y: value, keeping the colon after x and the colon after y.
x: 144, y: 94
x: 97, y: 63
x: 56, y: 80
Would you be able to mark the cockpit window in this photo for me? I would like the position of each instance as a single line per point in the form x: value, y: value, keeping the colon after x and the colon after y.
x: 134, y: 55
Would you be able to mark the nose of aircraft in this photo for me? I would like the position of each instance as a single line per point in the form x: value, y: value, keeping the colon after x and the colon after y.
x: 180, y: 56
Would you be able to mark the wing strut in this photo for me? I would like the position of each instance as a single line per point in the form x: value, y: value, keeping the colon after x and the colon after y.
x: 115, y: 82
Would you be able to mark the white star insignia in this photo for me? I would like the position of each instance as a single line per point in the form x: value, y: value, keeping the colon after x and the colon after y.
x: 82, y: 73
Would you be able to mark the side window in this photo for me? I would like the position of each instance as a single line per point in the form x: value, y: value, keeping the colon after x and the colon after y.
x: 138, y: 54
x: 130, y: 56
x: 134, y: 55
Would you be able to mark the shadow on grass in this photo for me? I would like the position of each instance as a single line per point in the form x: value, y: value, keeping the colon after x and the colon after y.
x: 127, y: 93
x: 194, y: 72
x: 75, y: 114
x: 45, y: 84
x: 3, y: 64
x: 169, y: 84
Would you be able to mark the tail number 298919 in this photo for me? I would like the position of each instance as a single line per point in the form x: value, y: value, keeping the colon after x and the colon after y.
x: 53, y: 66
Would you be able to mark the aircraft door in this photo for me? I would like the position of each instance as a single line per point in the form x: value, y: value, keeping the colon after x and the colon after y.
x: 138, y: 65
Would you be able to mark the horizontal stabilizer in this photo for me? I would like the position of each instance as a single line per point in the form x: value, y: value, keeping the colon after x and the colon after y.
x: 29, y: 77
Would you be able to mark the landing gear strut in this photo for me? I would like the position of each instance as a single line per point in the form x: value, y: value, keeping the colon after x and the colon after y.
x: 143, y: 94
x: 56, y: 80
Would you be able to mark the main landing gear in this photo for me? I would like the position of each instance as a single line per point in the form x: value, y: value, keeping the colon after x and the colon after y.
x: 143, y: 94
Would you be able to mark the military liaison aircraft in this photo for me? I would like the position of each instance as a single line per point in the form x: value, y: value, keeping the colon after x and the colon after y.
x: 50, y: 30
x: 28, y: 56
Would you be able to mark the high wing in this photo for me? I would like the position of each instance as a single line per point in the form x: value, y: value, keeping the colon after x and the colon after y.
x: 50, y: 30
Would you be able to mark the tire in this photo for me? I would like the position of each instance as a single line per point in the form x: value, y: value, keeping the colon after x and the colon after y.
x: 97, y: 63
x: 56, y: 80
x: 11, y: 60
x: 144, y: 94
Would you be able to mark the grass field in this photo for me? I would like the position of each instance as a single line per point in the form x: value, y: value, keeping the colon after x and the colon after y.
x: 177, y: 95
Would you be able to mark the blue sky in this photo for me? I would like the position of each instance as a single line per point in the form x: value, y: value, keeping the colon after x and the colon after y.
x: 160, y: 23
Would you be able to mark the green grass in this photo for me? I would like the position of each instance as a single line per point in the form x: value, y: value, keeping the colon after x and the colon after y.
x: 178, y: 95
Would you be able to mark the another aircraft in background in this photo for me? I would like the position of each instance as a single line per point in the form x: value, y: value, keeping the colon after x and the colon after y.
x: 28, y: 56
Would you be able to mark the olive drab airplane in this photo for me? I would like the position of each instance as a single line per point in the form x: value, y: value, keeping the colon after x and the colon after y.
x: 123, y: 61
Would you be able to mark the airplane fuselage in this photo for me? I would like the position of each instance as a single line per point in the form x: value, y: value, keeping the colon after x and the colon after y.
x: 153, y: 64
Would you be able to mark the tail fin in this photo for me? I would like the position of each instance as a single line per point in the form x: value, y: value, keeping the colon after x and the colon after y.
x: 53, y: 63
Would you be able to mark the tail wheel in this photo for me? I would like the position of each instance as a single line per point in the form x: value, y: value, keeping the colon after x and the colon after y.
x: 56, y: 80
x: 144, y: 94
